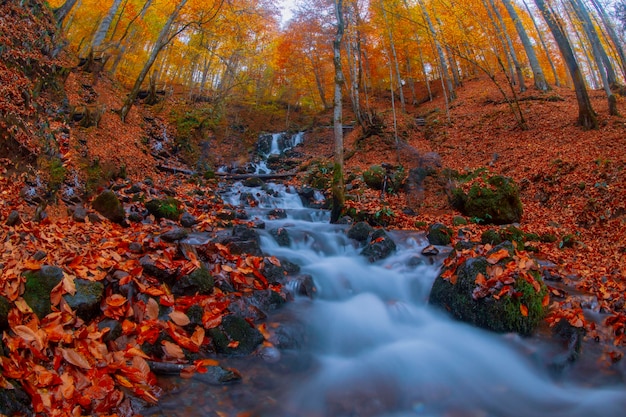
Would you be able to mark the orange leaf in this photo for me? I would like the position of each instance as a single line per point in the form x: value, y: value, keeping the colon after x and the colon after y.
x: 524, y: 310
x: 233, y: 344
x: 480, y: 279
x: 546, y: 300
x: 152, y: 309
x: 273, y: 260
x: 173, y: 350
x: 496, y: 257
x: 75, y: 358
x: 116, y: 300
x: 29, y: 335
x: 198, y: 336
x: 179, y: 318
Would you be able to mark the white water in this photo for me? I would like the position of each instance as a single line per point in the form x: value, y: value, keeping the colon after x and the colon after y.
x: 378, y: 349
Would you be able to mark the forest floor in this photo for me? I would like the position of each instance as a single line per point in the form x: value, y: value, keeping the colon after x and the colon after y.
x: 573, y: 185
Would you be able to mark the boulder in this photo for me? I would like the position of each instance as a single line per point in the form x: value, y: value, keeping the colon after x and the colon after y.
x: 495, y: 200
x: 187, y: 220
x: 360, y: 231
x: 109, y: 206
x: 86, y: 300
x: 13, y: 218
x: 281, y: 236
x: 174, y: 234
x: 5, y: 306
x: 497, y: 289
x: 38, y: 286
x: 379, y: 247
x: 235, y: 336
x: 199, y: 281
x: 168, y: 208
x: 439, y: 234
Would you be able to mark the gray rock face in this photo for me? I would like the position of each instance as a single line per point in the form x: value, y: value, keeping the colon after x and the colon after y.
x: 439, y: 234
x: 379, y: 247
x: 236, y: 332
x: 199, y: 281
x: 86, y: 300
x: 38, y: 286
x: 360, y: 231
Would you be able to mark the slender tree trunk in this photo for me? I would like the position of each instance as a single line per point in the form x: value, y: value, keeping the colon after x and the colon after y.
x: 610, y: 30
x: 538, y: 76
x: 421, y: 57
x: 162, y: 40
x: 338, y: 182
x: 586, y: 115
x: 62, y: 12
x: 602, y: 60
x: 394, y: 56
x: 442, y: 58
x: 104, y: 26
x: 546, y: 50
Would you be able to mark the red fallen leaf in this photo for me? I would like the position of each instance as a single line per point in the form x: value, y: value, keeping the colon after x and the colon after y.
x: 200, y: 363
x: 234, y: 344
x: 29, y: 335
x: 210, y: 320
x: 546, y: 300
x: 173, y: 350
x: 496, y: 257
x: 75, y: 358
x: 480, y: 279
x: 198, y: 336
x: 524, y: 310
x: 152, y: 309
x: 180, y: 318
x: 32, y: 265
x: 116, y: 300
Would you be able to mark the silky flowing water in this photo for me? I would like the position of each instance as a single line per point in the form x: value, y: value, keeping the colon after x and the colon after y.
x: 371, y: 346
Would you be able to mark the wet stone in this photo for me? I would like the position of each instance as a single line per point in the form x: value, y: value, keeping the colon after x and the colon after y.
x: 13, y: 219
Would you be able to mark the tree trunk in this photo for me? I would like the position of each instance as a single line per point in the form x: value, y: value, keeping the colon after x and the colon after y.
x: 62, y: 12
x: 610, y: 30
x: 602, y: 60
x: 442, y: 59
x: 394, y: 57
x: 104, y: 26
x: 162, y: 40
x: 338, y: 182
x: 557, y: 82
x: 586, y: 115
x: 538, y: 76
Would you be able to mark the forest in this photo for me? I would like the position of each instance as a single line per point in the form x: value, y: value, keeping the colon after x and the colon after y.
x: 230, y: 208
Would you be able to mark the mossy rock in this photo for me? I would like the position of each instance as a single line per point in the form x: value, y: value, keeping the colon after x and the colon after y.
x: 109, y: 206
x: 235, y: 329
x: 38, y: 286
x: 497, y: 202
x: 281, y: 236
x: 168, y: 208
x: 199, y: 281
x: 86, y: 300
x: 439, y: 234
x: 5, y: 306
x: 374, y: 177
x: 360, y: 231
x: 499, y: 314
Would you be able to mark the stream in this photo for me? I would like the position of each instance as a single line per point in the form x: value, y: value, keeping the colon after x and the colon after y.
x: 368, y: 345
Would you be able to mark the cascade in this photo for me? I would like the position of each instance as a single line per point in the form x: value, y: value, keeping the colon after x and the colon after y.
x: 372, y: 347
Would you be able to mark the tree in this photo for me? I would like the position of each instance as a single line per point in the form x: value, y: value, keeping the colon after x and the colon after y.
x: 610, y: 29
x: 62, y: 12
x: 338, y: 182
x: 162, y: 40
x: 538, y: 76
x: 557, y: 82
x: 586, y: 115
x: 104, y: 26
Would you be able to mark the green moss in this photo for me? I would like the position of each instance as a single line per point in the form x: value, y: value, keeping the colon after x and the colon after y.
x: 498, y: 202
x: 109, y: 206
x: 168, y: 208
x: 374, y: 177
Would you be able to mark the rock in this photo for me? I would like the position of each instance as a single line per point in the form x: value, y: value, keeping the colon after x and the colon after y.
x: 233, y: 331
x: 168, y: 276
x: 277, y: 213
x: 458, y: 291
x: 216, y: 375
x: 5, y: 306
x: 243, y: 240
x: 109, y: 206
x: 114, y: 329
x: 174, y: 234
x: 281, y: 236
x: 39, y: 255
x: 498, y: 202
x: 15, y: 402
x: 168, y: 208
x: 38, y: 286
x: 439, y: 234
x: 135, y: 217
x: 379, y: 247
x: 187, y: 220
x: 277, y: 273
x: 360, y: 231
x: 13, y: 219
x: 199, y: 281
x: 253, y: 182
x: 303, y: 285
x: 430, y: 250
x: 86, y: 300
x: 79, y: 214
